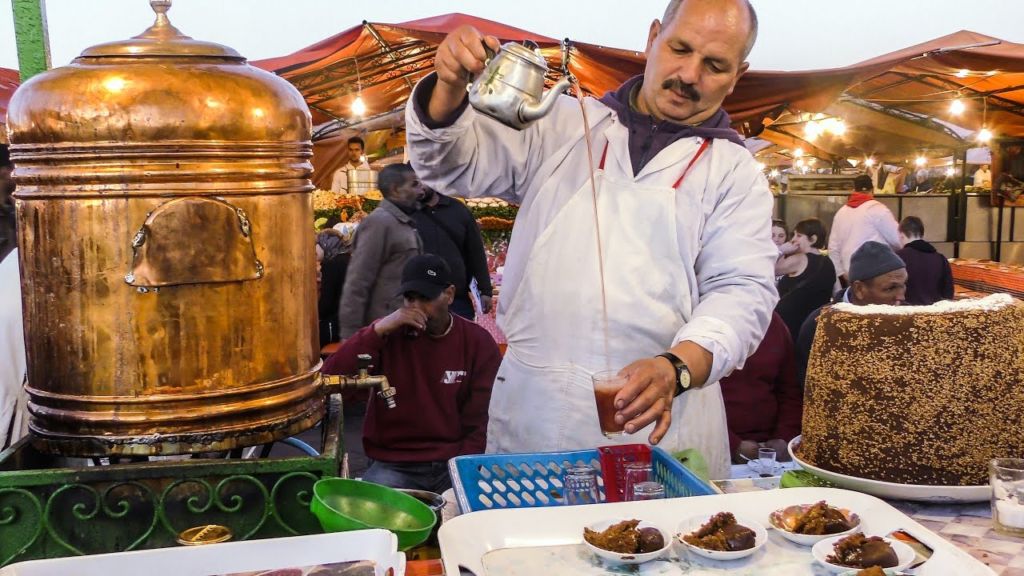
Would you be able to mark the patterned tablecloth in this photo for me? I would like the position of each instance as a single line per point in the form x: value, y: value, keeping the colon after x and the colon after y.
x: 968, y: 526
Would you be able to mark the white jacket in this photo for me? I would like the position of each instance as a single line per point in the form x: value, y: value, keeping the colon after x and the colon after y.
x: 12, y: 354
x: 852, y: 227
x: 727, y: 252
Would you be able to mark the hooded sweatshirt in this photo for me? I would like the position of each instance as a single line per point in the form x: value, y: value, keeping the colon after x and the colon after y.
x: 648, y: 135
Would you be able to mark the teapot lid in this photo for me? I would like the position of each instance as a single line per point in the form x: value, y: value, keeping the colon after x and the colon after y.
x: 532, y: 56
x: 161, y: 39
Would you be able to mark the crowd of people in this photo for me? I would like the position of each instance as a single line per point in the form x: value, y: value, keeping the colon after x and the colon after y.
x: 871, y: 259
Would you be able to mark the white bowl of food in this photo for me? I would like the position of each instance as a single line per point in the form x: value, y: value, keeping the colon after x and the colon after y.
x: 808, y: 524
x: 634, y: 541
x: 722, y: 536
x: 854, y: 552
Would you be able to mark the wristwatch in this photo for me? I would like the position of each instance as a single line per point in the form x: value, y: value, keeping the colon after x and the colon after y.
x: 682, y: 372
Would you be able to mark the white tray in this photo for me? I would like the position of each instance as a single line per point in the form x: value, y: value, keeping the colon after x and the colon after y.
x: 916, y: 492
x: 518, y: 536
x: 380, y: 546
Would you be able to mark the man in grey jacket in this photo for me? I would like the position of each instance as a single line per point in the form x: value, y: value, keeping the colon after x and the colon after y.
x: 384, y: 241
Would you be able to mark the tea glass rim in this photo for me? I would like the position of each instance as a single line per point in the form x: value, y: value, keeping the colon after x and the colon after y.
x: 606, y: 376
x: 1007, y: 464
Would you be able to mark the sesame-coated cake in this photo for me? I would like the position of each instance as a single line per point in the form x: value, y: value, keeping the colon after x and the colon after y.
x: 916, y: 394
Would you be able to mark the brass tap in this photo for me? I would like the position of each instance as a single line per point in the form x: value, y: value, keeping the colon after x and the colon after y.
x: 363, y: 379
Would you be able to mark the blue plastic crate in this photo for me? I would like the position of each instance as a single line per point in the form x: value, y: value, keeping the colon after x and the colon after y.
x: 503, y: 481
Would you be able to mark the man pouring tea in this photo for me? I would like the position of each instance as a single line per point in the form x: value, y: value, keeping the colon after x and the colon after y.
x: 679, y: 290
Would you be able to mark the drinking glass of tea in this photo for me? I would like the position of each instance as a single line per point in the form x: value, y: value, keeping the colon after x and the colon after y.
x: 606, y: 385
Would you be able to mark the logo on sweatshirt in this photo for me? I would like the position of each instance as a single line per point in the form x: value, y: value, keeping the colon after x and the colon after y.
x: 453, y: 376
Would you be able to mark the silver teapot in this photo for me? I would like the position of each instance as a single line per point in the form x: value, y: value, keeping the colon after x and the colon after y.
x: 511, y: 87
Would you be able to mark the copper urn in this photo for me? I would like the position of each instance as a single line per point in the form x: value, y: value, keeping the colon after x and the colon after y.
x: 166, y: 249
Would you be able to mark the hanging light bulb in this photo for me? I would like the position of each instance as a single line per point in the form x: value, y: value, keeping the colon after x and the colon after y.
x: 838, y: 127
x: 919, y: 161
x: 774, y: 173
x: 761, y: 166
x: 798, y: 152
x: 869, y: 162
x: 956, y: 107
x: 950, y: 171
x: 358, y: 106
x: 812, y: 130
x: 963, y: 73
x: 984, y: 135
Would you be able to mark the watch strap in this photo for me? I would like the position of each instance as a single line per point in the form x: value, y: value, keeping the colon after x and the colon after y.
x: 679, y: 366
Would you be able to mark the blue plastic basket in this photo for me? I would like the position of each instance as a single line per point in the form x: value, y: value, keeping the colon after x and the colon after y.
x: 503, y: 481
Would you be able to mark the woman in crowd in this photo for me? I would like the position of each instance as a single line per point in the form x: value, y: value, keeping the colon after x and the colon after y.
x: 780, y: 233
x: 807, y: 278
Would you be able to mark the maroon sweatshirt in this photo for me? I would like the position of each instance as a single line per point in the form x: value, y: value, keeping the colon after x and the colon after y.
x: 443, y: 389
x: 763, y: 400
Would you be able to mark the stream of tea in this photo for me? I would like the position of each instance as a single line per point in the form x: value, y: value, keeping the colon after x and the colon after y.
x: 597, y: 223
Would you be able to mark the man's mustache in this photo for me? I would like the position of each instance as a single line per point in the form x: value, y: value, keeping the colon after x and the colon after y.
x: 678, y: 85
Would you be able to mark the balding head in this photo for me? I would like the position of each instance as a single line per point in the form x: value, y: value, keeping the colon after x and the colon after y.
x: 751, y: 20
x: 695, y: 56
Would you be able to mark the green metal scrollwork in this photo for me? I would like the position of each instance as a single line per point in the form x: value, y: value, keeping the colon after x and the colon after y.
x: 18, y: 531
x: 190, y: 502
x: 120, y: 518
x: 294, y: 487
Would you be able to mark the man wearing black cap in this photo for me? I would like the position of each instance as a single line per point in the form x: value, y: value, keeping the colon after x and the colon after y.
x: 877, y: 276
x: 442, y: 368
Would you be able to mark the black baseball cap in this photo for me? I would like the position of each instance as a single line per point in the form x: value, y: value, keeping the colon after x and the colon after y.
x: 426, y: 274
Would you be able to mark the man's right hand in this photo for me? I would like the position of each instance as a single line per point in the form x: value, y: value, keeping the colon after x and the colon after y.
x: 746, y: 451
x: 460, y: 56
x: 401, y: 317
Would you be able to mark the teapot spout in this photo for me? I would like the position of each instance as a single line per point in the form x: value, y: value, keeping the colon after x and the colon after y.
x: 528, y: 112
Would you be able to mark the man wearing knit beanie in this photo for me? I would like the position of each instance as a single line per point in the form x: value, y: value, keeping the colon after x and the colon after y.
x: 877, y: 276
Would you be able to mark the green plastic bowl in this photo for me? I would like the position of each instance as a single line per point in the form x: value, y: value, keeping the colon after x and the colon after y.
x: 342, y: 504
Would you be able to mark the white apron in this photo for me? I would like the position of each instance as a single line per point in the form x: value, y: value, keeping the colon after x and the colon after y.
x: 543, y: 399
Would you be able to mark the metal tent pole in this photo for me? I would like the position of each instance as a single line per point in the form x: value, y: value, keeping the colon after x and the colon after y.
x: 31, y: 37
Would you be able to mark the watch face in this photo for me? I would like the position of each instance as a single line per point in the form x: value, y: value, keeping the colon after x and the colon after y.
x: 684, y: 378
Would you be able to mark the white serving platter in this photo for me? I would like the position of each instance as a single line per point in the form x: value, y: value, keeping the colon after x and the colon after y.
x: 548, y: 540
x: 379, y: 546
x: 915, y: 492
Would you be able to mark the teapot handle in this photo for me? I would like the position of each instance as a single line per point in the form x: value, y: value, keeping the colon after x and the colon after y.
x: 490, y: 56
x: 489, y: 51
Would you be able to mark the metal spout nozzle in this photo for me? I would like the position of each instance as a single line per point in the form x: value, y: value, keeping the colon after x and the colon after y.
x: 363, y: 379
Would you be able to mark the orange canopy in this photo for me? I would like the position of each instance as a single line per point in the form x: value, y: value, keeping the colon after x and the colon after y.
x: 8, y: 84
x: 382, y: 62
x: 895, y: 104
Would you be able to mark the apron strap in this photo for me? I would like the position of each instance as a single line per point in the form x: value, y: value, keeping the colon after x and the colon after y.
x: 700, y: 152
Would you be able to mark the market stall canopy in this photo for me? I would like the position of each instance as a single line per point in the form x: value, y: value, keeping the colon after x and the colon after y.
x: 382, y: 62
x: 8, y: 84
x: 893, y: 105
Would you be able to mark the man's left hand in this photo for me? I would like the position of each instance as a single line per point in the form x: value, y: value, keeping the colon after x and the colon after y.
x: 781, y: 448
x: 647, y: 396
